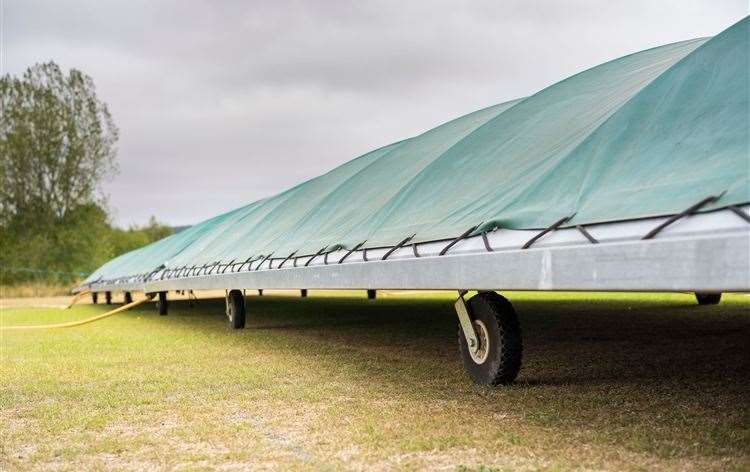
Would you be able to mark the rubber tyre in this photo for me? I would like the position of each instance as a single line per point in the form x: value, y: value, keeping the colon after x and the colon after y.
x: 708, y: 298
x: 162, y: 304
x: 236, y: 309
x: 503, y: 360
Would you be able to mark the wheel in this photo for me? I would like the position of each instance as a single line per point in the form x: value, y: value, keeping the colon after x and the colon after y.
x: 497, y: 359
x: 162, y: 304
x: 236, y: 309
x: 108, y: 298
x: 94, y: 297
x: 708, y: 298
x: 128, y: 298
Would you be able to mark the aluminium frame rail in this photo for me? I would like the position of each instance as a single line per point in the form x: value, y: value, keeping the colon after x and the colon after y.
x: 707, y: 252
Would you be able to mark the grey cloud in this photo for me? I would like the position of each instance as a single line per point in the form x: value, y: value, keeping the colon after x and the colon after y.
x: 222, y: 103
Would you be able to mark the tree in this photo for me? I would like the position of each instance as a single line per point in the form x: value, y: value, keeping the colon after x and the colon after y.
x: 57, y: 143
x: 124, y: 240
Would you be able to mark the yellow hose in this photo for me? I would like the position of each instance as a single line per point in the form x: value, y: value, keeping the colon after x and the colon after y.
x: 78, y: 297
x: 81, y: 322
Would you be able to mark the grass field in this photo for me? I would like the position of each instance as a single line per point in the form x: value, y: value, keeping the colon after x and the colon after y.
x: 610, y: 381
x: 35, y: 290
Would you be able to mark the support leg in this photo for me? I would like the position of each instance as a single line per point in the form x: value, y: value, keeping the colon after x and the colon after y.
x: 108, y: 298
x: 371, y: 294
x: 94, y: 297
x: 260, y: 292
x: 708, y: 298
x: 162, y: 303
x: 303, y: 293
x: 128, y: 298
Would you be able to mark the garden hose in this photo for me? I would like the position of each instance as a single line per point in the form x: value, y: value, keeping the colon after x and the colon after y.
x: 80, y: 322
x: 78, y: 297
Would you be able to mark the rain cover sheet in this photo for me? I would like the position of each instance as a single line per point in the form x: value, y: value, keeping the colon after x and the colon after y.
x: 649, y: 134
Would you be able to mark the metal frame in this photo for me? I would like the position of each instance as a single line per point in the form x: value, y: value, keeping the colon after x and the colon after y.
x: 709, y: 263
x: 707, y: 252
x: 464, y: 321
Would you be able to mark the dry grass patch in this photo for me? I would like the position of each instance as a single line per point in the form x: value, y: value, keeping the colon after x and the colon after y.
x: 34, y: 290
x: 610, y: 381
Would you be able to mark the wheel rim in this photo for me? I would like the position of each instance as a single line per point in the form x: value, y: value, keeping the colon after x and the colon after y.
x: 482, y: 352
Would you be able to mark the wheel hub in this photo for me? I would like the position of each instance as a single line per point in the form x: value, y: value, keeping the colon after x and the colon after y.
x: 481, y: 352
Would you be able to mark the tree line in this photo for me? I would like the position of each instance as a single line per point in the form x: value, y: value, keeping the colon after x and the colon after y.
x: 58, y: 143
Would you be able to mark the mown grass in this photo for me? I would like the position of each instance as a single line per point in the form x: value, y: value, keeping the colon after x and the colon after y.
x: 610, y: 381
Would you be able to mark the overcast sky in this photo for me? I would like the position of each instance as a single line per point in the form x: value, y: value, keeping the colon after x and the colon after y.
x: 223, y: 103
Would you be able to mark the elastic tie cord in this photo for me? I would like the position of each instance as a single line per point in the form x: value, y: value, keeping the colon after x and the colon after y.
x: 250, y: 265
x: 227, y: 266
x: 552, y: 227
x: 691, y: 210
x: 264, y: 260
x: 286, y: 259
x: 739, y: 213
x: 325, y: 255
x: 414, y: 250
x: 315, y: 255
x: 397, y: 246
x: 351, y: 251
x: 455, y: 241
x: 485, y: 239
x: 246, y: 261
x: 584, y: 232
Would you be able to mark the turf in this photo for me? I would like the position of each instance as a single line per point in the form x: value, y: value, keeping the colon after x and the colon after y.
x: 610, y: 381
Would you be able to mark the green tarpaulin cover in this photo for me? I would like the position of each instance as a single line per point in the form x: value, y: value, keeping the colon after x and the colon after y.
x: 649, y: 134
